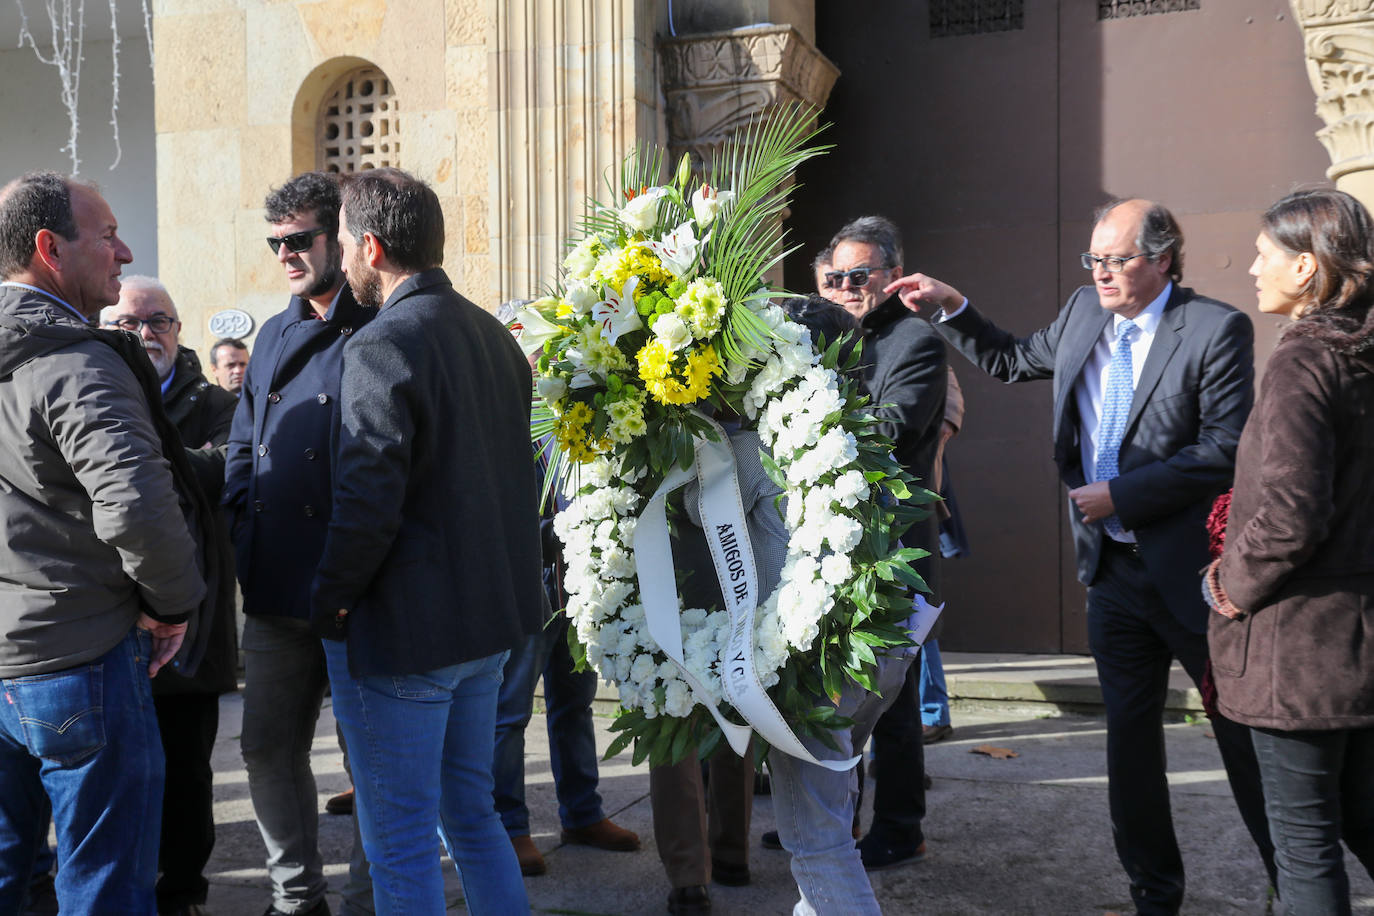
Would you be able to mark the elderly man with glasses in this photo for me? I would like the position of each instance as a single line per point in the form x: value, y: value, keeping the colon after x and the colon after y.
x: 278, y: 482
x: 1152, y: 384
x: 187, y: 707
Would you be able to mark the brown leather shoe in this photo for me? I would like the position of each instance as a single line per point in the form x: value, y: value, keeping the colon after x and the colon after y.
x: 340, y: 804
x: 531, y: 862
x: 603, y: 835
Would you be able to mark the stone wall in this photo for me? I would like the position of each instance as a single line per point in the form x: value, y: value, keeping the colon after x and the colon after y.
x: 511, y: 109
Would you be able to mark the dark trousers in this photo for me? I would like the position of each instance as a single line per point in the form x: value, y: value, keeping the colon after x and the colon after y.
x: 188, y: 722
x: 1134, y: 638
x: 1320, y: 789
x: 695, y: 823
x: 899, y: 793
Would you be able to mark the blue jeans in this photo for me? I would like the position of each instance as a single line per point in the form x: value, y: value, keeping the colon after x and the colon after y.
x: 1318, y: 791
x: 568, y: 697
x: 420, y: 746
x: 814, y: 806
x: 86, y: 740
x: 934, y: 694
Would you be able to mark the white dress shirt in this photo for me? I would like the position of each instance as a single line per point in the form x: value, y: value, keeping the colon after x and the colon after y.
x: 1087, y: 390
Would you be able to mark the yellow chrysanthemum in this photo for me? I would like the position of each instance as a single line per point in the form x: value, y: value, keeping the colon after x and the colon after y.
x: 655, y: 361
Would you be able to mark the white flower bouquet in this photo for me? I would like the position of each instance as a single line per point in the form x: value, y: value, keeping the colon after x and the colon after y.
x: 661, y: 320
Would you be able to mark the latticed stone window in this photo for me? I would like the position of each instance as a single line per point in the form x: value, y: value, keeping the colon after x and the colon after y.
x: 1122, y: 9
x: 973, y: 17
x: 358, y: 126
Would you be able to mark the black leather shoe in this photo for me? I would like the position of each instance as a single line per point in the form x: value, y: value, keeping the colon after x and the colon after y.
x: 878, y: 854
x: 689, y: 901
x: 771, y: 840
x: 728, y: 874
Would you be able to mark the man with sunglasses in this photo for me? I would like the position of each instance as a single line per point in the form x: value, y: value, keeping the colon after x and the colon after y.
x: 1152, y: 384
x: 278, y: 482
x: 905, y: 372
x: 187, y: 707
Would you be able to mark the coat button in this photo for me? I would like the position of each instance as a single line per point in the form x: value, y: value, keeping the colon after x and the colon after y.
x: 274, y: 397
x: 310, y: 454
x: 322, y: 398
x: 262, y: 450
x: 258, y: 505
x: 309, y: 511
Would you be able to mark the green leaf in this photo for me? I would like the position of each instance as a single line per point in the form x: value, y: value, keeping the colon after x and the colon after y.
x: 618, y: 744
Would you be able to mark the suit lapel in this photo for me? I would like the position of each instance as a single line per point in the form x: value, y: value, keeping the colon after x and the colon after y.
x: 1167, y: 338
x: 1081, y: 336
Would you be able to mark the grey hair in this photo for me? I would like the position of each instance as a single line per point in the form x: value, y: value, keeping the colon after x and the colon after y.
x: 144, y: 282
x: 873, y: 230
x: 1159, y: 234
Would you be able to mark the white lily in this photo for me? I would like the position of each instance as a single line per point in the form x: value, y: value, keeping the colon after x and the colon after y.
x: 706, y: 203
x: 532, y: 329
x: 617, y: 314
x: 641, y: 212
x: 678, y: 250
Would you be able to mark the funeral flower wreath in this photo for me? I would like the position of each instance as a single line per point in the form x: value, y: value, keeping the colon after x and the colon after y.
x: 662, y: 321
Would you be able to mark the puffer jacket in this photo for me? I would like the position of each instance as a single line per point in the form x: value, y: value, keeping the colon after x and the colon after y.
x: 94, y: 528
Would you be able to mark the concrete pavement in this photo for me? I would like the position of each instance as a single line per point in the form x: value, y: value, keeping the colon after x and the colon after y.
x: 1024, y: 835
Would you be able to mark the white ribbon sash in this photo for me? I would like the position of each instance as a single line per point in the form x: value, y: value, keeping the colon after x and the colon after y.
x: 724, y: 523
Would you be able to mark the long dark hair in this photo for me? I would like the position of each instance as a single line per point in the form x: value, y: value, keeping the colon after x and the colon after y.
x: 1337, y: 231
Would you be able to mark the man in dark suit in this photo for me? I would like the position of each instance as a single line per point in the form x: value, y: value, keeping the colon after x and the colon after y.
x: 1152, y: 384
x: 431, y: 569
x: 278, y: 484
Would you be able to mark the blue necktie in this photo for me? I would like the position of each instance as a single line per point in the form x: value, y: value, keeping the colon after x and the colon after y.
x: 1116, y: 406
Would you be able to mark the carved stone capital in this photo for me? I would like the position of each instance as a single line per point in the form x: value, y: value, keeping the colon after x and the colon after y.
x: 716, y: 82
x: 1338, y: 39
x: 1332, y: 12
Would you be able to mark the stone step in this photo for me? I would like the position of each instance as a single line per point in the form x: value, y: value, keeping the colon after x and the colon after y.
x: 1026, y: 684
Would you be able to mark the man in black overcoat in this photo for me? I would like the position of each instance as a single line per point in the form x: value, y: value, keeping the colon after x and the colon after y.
x: 431, y: 568
x: 905, y: 372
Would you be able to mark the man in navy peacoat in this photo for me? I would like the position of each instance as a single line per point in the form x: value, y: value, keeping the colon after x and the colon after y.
x: 279, y: 485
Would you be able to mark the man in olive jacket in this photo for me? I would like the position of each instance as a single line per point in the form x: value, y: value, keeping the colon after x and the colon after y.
x: 431, y: 567
x: 187, y: 707
x: 101, y: 571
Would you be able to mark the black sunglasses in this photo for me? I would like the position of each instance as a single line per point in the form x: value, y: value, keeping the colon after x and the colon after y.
x: 858, y: 277
x: 296, y: 241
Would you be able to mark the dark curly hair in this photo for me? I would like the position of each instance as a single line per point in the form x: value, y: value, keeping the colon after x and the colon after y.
x: 1336, y: 230
x: 308, y: 193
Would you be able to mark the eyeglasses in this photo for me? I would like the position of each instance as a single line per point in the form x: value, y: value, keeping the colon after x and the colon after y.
x: 858, y: 277
x: 1112, y: 263
x: 160, y: 324
x: 296, y: 241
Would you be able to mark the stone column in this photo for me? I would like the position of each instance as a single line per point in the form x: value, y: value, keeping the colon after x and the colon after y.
x: 573, y: 90
x: 1338, y: 38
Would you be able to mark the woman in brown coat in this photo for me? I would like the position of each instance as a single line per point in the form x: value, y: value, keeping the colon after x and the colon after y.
x: 1292, y: 643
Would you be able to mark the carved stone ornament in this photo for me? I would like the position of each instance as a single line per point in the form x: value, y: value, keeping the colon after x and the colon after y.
x: 716, y: 82
x: 1338, y: 37
x: 1332, y: 12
